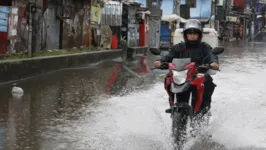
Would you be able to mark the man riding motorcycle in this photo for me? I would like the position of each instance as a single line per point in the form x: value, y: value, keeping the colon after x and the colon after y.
x: 199, y: 52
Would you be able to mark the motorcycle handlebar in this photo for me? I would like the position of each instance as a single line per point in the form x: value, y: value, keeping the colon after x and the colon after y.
x: 207, y: 67
x: 201, y: 67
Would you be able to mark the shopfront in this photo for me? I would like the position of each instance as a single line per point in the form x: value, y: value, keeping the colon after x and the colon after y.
x: 4, y: 22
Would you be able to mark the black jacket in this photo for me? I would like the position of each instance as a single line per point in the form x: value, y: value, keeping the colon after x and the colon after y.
x: 197, y: 54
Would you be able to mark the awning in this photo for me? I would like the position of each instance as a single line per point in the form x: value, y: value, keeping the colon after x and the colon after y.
x: 173, y: 17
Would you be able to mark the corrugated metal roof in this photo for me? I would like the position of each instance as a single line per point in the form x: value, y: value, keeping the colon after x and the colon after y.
x: 112, y: 14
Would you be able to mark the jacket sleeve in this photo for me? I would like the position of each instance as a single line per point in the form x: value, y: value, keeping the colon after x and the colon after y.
x: 210, y: 58
x: 170, y: 56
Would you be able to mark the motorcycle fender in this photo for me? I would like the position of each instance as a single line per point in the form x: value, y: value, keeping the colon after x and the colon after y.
x: 179, y: 88
x: 167, y: 82
x: 198, y: 83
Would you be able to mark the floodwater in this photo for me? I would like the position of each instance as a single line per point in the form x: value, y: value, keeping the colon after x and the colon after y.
x: 120, y: 106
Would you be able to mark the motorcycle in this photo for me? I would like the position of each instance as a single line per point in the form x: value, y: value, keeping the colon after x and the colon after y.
x: 184, y: 85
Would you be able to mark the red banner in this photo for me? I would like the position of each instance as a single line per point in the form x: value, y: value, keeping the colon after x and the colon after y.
x: 239, y: 3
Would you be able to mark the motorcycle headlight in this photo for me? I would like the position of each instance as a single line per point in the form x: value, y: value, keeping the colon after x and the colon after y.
x: 179, y: 76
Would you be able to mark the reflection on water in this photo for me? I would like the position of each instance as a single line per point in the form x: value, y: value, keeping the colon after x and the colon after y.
x: 50, y: 99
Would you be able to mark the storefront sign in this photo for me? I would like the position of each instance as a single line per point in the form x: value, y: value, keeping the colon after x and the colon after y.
x: 4, y: 18
x: 3, y: 28
x: 231, y: 18
x: 3, y: 15
x: 96, y: 14
x: 13, y: 22
x: 239, y: 3
x: 3, y: 22
x: 4, y: 9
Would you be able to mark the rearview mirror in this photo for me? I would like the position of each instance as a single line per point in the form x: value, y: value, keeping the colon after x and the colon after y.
x: 155, y: 51
x: 217, y: 50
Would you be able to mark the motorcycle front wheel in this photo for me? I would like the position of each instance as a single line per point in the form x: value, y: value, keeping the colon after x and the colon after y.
x: 180, y: 123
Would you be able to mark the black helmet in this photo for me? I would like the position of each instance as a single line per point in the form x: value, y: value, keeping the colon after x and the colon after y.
x: 192, y: 26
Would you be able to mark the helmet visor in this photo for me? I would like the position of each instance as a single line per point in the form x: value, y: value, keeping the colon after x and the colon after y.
x: 192, y: 31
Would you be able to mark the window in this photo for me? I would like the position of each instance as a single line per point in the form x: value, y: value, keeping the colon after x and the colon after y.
x: 192, y: 3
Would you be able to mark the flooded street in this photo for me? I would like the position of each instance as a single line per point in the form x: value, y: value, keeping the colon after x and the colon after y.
x: 120, y: 106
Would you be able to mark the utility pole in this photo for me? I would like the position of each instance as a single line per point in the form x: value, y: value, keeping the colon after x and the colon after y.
x: 30, y: 30
x: 36, y: 10
x: 226, y: 7
x: 215, y: 12
x: 34, y: 37
x: 176, y: 9
x: 90, y: 32
x: 254, y: 2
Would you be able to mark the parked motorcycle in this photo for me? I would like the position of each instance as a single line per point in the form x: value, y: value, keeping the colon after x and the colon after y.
x: 184, y: 85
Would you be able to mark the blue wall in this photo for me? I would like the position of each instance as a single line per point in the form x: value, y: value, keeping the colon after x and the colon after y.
x: 202, y: 10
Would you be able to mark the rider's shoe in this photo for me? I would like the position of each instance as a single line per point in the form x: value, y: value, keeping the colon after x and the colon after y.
x: 169, y: 110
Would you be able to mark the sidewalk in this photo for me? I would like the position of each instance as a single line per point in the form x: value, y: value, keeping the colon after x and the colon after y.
x: 46, y: 53
x: 14, y: 68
